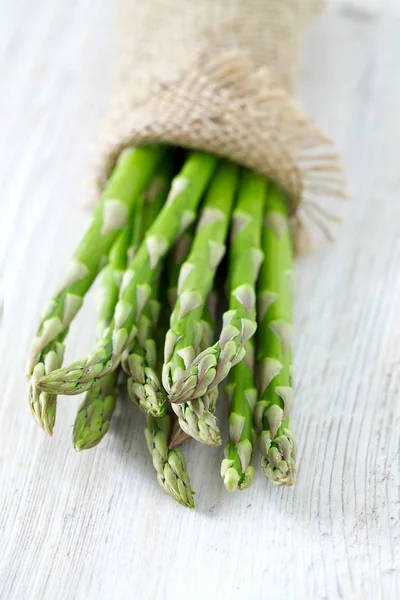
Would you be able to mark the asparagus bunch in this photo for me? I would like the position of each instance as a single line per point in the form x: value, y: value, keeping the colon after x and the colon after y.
x: 149, y: 210
x: 275, y: 343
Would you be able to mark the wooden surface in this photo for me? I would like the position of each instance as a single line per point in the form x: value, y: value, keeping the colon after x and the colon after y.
x: 96, y: 524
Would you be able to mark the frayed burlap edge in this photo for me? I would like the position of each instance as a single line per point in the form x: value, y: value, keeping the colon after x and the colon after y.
x: 225, y: 106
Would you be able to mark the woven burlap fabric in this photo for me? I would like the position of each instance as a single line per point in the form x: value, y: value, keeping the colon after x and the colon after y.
x: 163, y: 36
x: 219, y: 76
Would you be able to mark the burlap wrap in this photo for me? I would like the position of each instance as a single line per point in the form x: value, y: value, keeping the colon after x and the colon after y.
x: 218, y: 75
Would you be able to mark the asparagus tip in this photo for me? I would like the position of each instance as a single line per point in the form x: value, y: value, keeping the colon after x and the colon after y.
x: 284, y: 475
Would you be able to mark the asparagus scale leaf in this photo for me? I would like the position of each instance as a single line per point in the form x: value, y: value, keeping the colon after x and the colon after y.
x: 178, y: 437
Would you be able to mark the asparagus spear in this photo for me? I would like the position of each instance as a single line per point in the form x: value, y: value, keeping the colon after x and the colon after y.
x: 196, y: 279
x: 236, y: 468
x: 93, y: 419
x: 177, y: 214
x: 170, y: 464
x: 175, y: 260
x: 212, y: 365
x: 194, y: 285
x: 144, y: 386
x: 128, y: 180
x: 275, y: 344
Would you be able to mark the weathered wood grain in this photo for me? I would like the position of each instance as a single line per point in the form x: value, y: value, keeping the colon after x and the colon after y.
x: 96, y: 525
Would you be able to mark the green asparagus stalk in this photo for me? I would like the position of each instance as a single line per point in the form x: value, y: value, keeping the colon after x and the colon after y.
x: 275, y: 344
x: 174, y: 262
x: 211, y: 366
x: 128, y: 180
x: 93, y: 419
x: 194, y: 285
x: 170, y: 464
x: 196, y: 280
x: 177, y: 214
x: 144, y: 385
x: 236, y: 468
x: 112, y: 274
x: 176, y: 259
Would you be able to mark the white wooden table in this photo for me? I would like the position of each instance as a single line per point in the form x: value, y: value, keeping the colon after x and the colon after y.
x: 96, y: 524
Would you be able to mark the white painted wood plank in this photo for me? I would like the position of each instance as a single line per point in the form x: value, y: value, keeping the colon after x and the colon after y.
x: 97, y: 525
